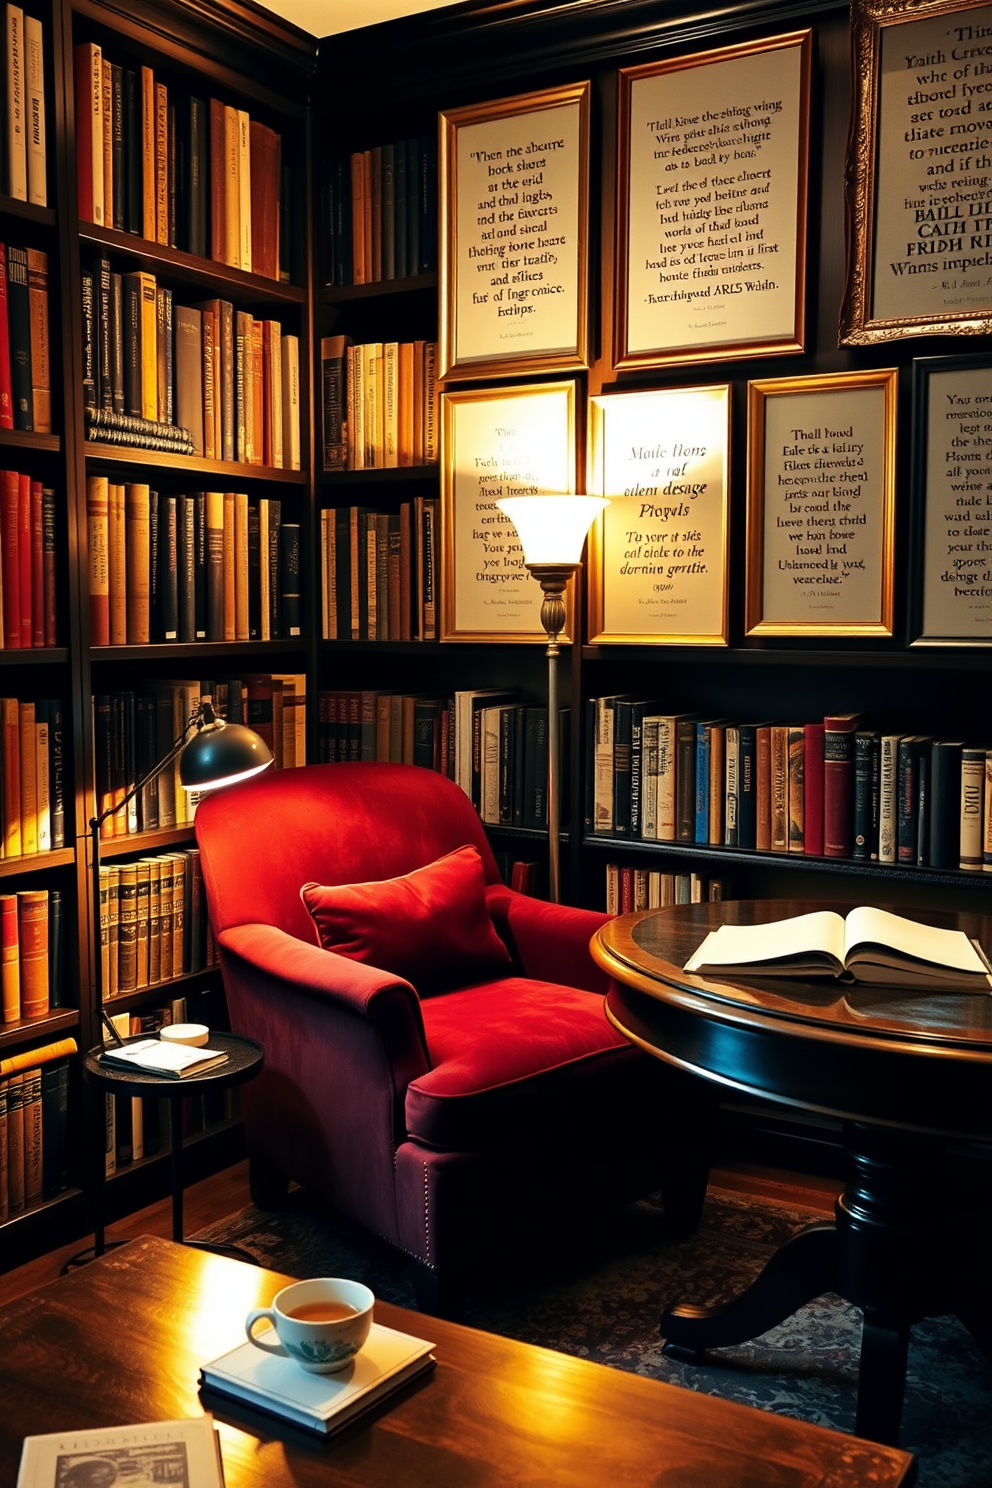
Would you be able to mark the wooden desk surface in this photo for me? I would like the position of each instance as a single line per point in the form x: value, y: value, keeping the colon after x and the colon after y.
x: 121, y: 1340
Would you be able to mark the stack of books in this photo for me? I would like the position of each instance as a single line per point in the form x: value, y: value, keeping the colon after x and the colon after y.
x: 152, y: 921
x: 379, y: 573
x: 23, y: 155
x: 34, y: 1111
x: 830, y: 788
x: 31, y: 947
x: 34, y: 780
x: 133, y: 730
x: 25, y: 357
x: 211, y: 566
x: 379, y: 403
x: 202, y: 379
x: 27, y: 563
x: 189, y: 173
x: 380, y: 213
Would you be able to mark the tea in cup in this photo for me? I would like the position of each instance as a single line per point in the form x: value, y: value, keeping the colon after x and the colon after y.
x: 321, y: 1323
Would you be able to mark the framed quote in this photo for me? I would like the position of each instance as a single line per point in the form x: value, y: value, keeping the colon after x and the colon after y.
x: 951, y: 603
x: 514, y: 441
x: 658, y: 554
x: 711, y: 210
x: 514, y: 207
x: 919, y: 172
x: 821, y: 505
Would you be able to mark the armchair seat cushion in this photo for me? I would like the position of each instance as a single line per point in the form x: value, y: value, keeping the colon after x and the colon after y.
x: 503, y: 1053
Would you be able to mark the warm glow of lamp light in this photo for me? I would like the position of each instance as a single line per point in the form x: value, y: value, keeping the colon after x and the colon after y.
x: 552, y: 529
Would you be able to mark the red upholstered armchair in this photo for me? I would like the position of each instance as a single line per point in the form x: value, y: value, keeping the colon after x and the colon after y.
x: 450, y: 1121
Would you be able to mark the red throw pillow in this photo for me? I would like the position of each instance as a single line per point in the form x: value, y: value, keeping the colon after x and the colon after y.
x: 430, y: 926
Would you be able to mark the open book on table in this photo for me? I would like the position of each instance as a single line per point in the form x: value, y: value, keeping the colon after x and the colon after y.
x: 868, y: 945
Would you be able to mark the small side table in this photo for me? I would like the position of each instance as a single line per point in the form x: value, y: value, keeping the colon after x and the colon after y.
x: 244, y: 1060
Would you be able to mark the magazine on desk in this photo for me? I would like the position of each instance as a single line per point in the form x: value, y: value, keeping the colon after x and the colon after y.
x: 144, y: 1456
x: 320, y: 1403
x: 868, y: 945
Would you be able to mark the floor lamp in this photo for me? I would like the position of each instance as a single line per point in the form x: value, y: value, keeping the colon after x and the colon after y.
x: 552, y: 532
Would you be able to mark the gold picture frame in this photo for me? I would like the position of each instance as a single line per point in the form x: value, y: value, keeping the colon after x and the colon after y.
x: 916, y: 133
x: 658, y: 561
x: 698, y: 278
x: 821, y: 495
x: 514, y: 178
x: 509, y: 441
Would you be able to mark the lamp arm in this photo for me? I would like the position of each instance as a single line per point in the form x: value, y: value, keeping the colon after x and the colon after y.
x: 197, y: 714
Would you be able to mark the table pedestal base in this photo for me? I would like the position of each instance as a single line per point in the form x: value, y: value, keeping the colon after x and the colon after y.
x: 910, y: 1241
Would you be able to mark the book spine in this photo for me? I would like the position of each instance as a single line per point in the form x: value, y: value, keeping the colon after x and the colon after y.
x: 701, y: 829
x: 763, y: 789
x: 972, y: 809
x: 148, y: 203
x: 865, y: 778
x: 779, y: 789
x: 796, y: 760
x: 838, y: 786
x: 37, y: 162
x: 41, y: 376
x: 731, y: 779
x: 907, y: 798
x: 19, y: 330
x: 685, y: 780
x: 32, y: 929
x: 98, y: 526
x: 747, y: 783
x: 137, y: 518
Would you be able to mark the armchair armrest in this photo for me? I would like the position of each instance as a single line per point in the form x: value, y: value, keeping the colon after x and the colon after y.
x: 551, y: 941
x: 279, y: 966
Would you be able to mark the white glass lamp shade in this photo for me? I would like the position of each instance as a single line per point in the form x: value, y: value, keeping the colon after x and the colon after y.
x: 552, y: 529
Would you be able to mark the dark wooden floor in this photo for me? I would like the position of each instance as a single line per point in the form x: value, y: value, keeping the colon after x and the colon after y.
x: 227, y: 1192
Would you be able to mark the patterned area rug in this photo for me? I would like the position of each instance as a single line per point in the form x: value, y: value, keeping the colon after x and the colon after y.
x: 604, y: 1304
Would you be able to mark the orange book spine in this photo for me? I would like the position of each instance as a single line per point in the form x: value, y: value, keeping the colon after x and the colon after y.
x: 257, y: 426
x: 98, y: 525
x: 763, y: 789
x: 148, y: 208
x: 29, y: 1058
x: 161, y: 163
x: 10, y: 958
x: 37, y: 567
x: 137, y: 544
x: 24, y: 558
x: 117, y: 566
x: 217, y: 158
x: 230, y: 604
x: 28, y: 745
x: 10, y: 715
x: 32, y: 926
x: 9, y: 560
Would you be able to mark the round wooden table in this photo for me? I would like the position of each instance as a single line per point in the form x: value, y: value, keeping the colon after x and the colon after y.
x: 910, y: 1077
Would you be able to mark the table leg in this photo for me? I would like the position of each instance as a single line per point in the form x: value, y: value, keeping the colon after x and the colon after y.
x: 881, y: 1377
x: 800, y: 1270
x: 176, y: 1153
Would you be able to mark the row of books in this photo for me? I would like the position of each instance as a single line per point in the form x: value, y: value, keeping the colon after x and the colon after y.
x: 34, y: 1112
x: 25, y: 350
x: 379, y: 404
x: 32, y: 759
x: 630, y: 889
x: 153, y: 921
x: 202, y: 379
x: 31, y: 953
x: 209, y: 566
x: 190, y: 173
x: 27, y: 563
x: 380, y: 212
x: 133, y: 730
x: 830, y: 788
x: 379, y: 572
x: 23, y: 152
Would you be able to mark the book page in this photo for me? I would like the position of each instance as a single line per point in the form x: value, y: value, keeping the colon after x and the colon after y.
x: 142, y: 1456
x: 821, y: 932
x: 866, y: 926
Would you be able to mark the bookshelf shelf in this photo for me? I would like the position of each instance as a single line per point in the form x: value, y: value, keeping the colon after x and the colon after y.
x: 26, y: 211
x: 382, y: 648
x: 341, y: 294
x: 59, y: 857
x: 59, y: 1020
x: 34, y: 656
x: 49, y: 444
x: 195, y: 650
x: 144, y: 842
x: 98, y: 455
x: 397, y: 475
x: 183, y: 268
x: 850, y: 867
x: 174, y: 987
x: 923, y: 658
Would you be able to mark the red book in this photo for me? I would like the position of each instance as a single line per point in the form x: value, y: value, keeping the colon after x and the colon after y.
x: 11, y: 565
x: 48, y: 546
x: 6, y: 393
x: 216, y: 180
x: 763, y: 788
x: 813, y: 789
x: 838, y: 784
x: 264, y: 145
x: 24, y: 556
x: 37, y: 567
x: 85, y: 58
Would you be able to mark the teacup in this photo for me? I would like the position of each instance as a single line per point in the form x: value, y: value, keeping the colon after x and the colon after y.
x: 321, y: 1323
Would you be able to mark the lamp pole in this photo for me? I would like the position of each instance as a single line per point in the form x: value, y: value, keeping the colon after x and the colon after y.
x: 553, y: 577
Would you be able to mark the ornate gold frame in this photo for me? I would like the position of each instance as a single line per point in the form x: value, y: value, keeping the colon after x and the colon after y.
x: 598, y: 635
x: 758, y: 393
x: 858, y: 326
x: 722, y: 351
x: 450, y: 403
x: 510, y: 363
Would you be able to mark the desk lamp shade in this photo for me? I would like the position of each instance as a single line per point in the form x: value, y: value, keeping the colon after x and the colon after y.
x: 552, y: 529
x: 221, y: 754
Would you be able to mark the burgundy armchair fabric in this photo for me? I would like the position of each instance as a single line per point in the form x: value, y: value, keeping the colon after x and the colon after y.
x: 452, y: 1124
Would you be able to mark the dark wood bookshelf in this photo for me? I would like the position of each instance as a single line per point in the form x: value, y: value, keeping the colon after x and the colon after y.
x: 112, y: 454
x: 144, y: 842
x: 59, y: 857
x: 912, y: 658
x: 202, y: 274
x: 175, y: 987
x: 58, y: 1020
x: 189, y: 651
x: 395, y: 475
x: 382, y: 648
x: 20, y: 439
x: 26, y: 211
x: 34, y: 656
x: 343, y: 294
